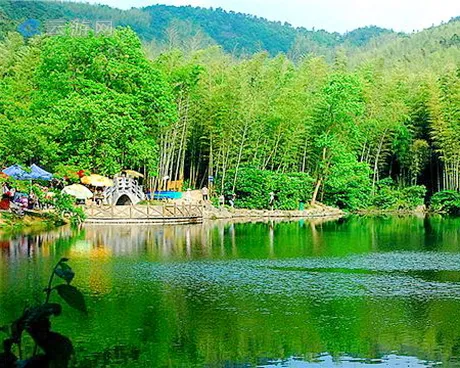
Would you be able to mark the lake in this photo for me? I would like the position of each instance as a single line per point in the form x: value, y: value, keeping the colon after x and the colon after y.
x: 354, y: 292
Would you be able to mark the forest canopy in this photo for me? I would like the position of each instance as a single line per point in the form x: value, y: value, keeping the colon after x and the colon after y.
x: 377, y: 127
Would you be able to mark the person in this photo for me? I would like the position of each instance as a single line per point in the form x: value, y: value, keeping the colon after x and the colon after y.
x: 221, y: 200
x: 272, y: 200
x: 98, y: 196
x: 188, y: 195
x: 232, y: 201
x: 33, y: 199
x: 205, y: 193
x: 5, y: 202
x: 22, y: 200
x: 5, y: 188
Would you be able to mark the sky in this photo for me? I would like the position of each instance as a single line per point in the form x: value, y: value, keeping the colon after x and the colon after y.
x: 332, y: 15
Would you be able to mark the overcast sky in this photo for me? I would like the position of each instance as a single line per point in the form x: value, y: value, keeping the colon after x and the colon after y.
x: 332, y: 15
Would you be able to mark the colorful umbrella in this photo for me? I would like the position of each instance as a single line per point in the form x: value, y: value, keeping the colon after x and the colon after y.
x: 18, y: 173
x: 38, y: 173
x: 134, y: 174
x: 97, y: 181
x: 78, y: 191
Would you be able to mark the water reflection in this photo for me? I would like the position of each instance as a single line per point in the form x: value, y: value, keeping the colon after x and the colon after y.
x: 383, y: 291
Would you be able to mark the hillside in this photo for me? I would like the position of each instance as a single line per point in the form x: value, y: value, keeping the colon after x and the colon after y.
x: 235, y: 32
x: 192, y: 28
x: 435, y: 47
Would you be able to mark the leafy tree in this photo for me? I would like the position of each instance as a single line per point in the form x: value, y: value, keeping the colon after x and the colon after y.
x: 100, y: 103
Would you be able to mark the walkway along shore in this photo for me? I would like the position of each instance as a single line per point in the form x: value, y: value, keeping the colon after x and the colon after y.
x: 193, y: 213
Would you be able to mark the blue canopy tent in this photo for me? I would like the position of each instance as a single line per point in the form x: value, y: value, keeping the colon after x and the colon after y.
x: 40, y: 174
x: 18, y: 173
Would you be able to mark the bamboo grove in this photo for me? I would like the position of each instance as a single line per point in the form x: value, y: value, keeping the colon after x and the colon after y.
x: 352, y: 127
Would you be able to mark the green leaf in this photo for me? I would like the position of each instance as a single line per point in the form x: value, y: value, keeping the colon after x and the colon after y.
x: 65, y: 272
x: 72, y: 296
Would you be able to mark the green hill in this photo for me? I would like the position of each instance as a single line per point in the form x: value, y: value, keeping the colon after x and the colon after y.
x: 431, y: 48
x: 235, y: 32
x: 191, y: 28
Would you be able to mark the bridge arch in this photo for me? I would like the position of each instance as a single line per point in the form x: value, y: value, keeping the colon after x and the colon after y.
x: 123, y: 200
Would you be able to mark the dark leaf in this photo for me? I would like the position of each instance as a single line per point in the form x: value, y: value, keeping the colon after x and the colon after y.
x: 7, y: 358
x: 65, y: 272
x: 17, y: 328
x: 57, y: 348
x: 63, y: 260
x: 65, y: 267
x: 37, y: 321
x: 43, y: 311
x: 72, y: 296
x: 5, y: 329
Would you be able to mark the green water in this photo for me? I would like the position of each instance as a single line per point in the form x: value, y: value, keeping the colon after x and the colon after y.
x: 349, y: 293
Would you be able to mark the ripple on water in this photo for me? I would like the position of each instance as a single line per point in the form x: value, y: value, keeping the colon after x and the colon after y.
x: 349, y: 362
x: 409, y: 274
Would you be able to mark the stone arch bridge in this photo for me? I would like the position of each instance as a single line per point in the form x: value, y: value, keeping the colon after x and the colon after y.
x: 126, y: 191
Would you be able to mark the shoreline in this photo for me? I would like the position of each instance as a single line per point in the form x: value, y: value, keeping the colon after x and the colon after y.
x: 318, y: 211
x: 10, y: 222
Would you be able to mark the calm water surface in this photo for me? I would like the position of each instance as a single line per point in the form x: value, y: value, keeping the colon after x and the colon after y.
x: 359, y: 292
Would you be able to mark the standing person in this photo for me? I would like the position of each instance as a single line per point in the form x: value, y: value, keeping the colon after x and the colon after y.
x: 188, y: 195
x: 272, y: 200
x: 33, y: 199
x: 5, y: 188
x: 221, y: 201
x: 232, y: 200
x: 98, y: 196
x: 205, y: 193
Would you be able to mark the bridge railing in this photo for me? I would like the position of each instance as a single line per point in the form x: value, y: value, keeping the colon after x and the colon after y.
x: 171, y: 211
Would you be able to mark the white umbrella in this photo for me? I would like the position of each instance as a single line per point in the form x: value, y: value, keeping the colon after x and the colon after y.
x: 78, y: 191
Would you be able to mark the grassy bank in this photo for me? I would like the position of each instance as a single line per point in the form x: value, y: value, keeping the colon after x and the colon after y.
x: 32, y: 221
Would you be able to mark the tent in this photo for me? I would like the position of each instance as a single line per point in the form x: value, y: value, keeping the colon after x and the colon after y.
x: 39, y: 173
x: 18, y: 173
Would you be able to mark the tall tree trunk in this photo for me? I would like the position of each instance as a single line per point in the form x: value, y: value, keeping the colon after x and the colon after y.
x: 319, y: 181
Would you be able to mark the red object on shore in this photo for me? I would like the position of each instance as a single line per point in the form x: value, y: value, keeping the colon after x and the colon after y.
x: 5, y: 204
x: 81, y: 173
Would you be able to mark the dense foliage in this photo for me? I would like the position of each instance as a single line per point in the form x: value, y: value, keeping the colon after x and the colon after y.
x: 93, y: 102
x: 389, y: 196
x: 447, y: 201
x: 303, y: 128
x: 253, y: 187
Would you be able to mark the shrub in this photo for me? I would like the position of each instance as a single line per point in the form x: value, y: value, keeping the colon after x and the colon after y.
x: 447, y: 201
x: 389, y: 196
x: 253, y: 187
x: 65, y: 207
x: 348, y: 185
